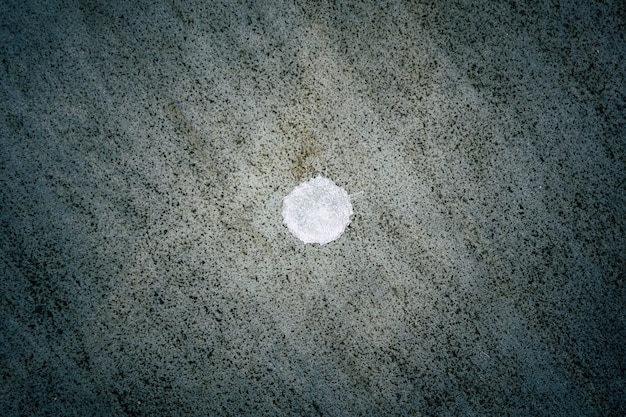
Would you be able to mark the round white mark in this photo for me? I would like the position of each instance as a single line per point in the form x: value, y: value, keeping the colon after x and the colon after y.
x: 317, y: 211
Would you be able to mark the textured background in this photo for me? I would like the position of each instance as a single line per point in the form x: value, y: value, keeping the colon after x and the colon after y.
x: 145, y: 150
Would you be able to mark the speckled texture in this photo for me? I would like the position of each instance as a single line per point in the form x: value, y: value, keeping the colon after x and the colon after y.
x: 145, y: 152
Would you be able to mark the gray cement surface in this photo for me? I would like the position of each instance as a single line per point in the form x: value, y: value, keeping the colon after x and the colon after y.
x: 146, y: 148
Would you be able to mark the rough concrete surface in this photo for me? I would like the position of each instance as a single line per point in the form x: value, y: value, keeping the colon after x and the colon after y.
x: 146, y: 147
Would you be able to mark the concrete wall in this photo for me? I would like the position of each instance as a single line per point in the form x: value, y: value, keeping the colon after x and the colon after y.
x: 145, y: 151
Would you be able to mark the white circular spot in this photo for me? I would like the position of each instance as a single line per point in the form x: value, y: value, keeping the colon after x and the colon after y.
x: 317, y: 211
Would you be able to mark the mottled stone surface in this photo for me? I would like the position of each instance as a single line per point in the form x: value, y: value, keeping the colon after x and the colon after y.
x: 146, y: 148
